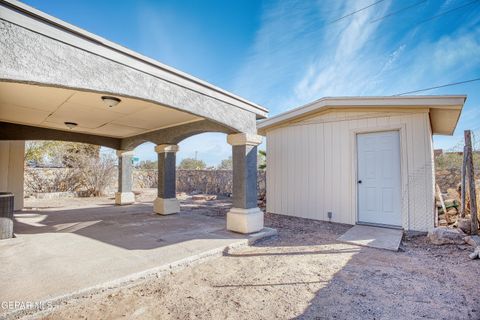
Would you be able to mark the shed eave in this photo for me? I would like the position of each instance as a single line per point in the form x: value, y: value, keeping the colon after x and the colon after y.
x: 441, y: 103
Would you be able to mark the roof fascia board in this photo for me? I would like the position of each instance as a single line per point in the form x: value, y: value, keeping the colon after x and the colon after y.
x: 447, y: 102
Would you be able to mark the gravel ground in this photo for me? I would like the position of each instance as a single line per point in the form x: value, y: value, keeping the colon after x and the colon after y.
x: 303, y: 273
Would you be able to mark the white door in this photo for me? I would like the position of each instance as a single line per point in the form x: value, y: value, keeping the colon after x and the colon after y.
x: 378, y: 179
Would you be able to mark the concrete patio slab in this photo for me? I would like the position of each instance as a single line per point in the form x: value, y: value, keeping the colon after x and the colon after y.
x: 375, y: 237
x: 58, y: 253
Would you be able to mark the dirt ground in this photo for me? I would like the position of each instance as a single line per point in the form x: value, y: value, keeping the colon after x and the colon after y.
x: 303, y: 273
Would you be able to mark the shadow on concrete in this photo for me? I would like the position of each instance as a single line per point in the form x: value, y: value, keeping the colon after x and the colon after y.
x: 133, y: 227
x: 58, y: 252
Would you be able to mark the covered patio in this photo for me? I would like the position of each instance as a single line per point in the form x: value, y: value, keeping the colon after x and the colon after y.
x: 72, y: 248
x: 59, y: 82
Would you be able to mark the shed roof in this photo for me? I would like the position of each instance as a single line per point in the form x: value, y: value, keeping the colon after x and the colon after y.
x: 444, y: 110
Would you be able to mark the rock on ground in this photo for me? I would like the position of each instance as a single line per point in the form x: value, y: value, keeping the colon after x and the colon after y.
x: 444, y: 235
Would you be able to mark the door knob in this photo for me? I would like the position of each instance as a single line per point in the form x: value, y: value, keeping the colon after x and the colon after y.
x: 359, y: 181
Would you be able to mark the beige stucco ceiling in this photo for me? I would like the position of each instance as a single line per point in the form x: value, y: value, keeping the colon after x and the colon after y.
x: 51, y: 107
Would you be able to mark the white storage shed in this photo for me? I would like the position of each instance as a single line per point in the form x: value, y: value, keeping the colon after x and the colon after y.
x: 358, y: 160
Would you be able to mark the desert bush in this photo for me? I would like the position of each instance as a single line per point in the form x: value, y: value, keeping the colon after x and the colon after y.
x: 80, y: 168
x: 95, y: 174
x: 51, y: 180
x: 226, y: 164
x: 145, y: 178
x: 454, y: 160
x: 192, y: 164
x: 448, y: 160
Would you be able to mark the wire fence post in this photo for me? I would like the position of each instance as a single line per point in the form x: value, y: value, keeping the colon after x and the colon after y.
x: 471, y: 182
x: 463, y: 190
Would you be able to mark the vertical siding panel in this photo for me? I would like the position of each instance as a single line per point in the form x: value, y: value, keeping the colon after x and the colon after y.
x: 422, y: 133
x: 272, y: 171
x: 307, y: 150
x: 382, y: 122
x: 275, y: 158
x: 282, y: 170
x: 293, y: 170
x: 372, y: 123
x: 297, y: 175
x: 351, y: 203
x: 273, y: 177
x: 290, y: 140
x: 301, y: 178
x: 320, y: 181
x: 338, y: 179
x: 270, y: 196
x: 333, y: 168
x: 314, y: 166
x: 311, y: 172
x: 305, y: 160
x: 430, y: 176
x: 411, y: 172
x: 417, y: 173
x: 328, y: 166
x: 335, y: 182
x: 285, y: 172
x: 345, y: 173
x: 340, y: 169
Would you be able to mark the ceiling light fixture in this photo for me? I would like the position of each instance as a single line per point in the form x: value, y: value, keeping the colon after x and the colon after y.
x: 71, y: 125
x: 111, y: 101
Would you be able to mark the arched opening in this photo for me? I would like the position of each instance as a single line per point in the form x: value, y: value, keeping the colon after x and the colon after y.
x: 145, y: 172
x: 199, y: 176
x: 204, y: 167
x: 59, y: 169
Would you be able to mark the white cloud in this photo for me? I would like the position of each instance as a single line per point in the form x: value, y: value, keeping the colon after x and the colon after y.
x: 345, y: 65
x: 449, y: 51
x: 300, y: 55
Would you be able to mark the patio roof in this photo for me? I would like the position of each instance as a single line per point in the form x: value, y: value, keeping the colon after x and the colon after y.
x: 52, y: 72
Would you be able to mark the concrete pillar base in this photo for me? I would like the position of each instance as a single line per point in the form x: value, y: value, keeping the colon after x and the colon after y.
x: 245, y: 220
x: 166, y: 206
x: 123, y: 198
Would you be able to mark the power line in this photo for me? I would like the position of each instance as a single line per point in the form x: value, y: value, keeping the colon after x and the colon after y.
x: 448, y: 11
x: 357, y: 11
x: 371, y: 39
x: 399, y: 11
x: 436, y: 87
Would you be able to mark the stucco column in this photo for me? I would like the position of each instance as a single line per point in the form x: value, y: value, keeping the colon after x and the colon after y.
x: 166, y: 202
x: 245, y: 216
x: 12, y: 163
x: 125, y: 180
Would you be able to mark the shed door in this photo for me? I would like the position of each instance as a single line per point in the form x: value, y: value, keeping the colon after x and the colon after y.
x: 379, y: 178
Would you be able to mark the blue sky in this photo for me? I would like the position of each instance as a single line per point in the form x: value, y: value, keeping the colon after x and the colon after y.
x: 282, y: 54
